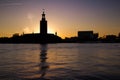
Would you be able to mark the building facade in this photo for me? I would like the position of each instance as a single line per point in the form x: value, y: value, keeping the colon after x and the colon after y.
x: 87, y: 35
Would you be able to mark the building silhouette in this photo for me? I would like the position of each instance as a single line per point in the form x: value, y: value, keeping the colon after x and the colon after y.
x: 87, y: 36
x: 44, y: 37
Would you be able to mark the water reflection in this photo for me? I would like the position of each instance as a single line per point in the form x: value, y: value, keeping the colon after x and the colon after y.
x: 43, y: 63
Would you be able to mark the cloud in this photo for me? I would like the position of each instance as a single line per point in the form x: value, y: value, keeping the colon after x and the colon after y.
x: 11, y: 4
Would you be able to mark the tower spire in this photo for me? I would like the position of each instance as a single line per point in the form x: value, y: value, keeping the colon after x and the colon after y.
x: 43, y: 10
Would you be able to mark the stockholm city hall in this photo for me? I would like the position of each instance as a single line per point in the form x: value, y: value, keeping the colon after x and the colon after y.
x: 42, y: 37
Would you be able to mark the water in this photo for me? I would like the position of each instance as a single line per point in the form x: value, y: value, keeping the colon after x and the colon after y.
x: 60, y: 62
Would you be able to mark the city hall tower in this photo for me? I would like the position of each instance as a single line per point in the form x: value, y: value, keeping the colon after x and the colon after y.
x: 43, y: 25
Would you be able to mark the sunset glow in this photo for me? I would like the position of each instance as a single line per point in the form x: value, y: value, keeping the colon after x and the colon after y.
x: 63, y: 16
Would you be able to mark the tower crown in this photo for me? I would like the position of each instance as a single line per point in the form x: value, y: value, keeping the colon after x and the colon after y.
x: 43, y: 15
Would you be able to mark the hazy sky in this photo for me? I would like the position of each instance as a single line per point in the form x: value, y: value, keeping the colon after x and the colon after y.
x: 64, y: 16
